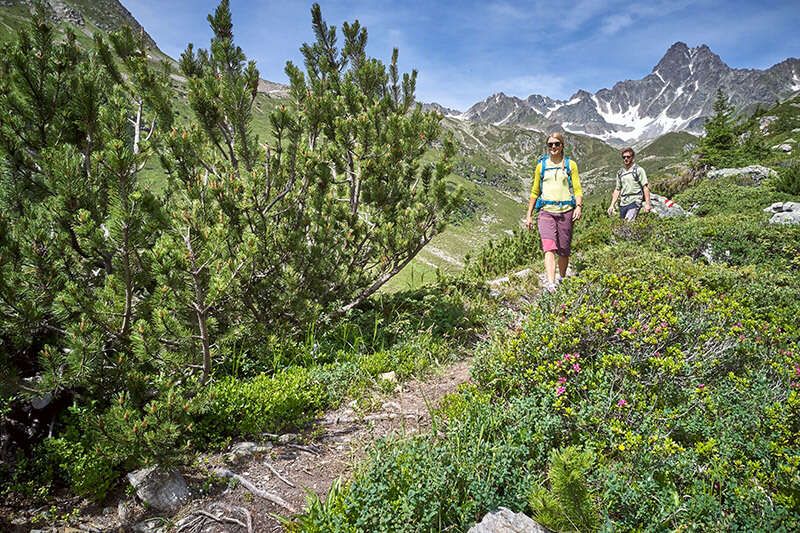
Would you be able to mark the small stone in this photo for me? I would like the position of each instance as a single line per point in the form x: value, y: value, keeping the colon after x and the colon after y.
x: 507, y: 521
x: 663, y: 207
x: 288, y: 438
x: 764, y: 122
x: 784, y: 213
x: 389, y: 376
x: 392, y: 406
x: 153, y: 525
x: 789, y: 217
x: 124, y: 512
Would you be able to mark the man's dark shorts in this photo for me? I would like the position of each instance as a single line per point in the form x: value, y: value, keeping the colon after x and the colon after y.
x: 629, y: 212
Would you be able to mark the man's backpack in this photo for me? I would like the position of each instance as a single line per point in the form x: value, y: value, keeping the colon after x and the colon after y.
x: 635, y: 169
x: 560, y: 203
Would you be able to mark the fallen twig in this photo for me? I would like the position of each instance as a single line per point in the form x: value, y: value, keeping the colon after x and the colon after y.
x: 274, y: 498
x: 307, y: 449
x: 272, y: 469
x: 390, y: 416
x: 198, y: 523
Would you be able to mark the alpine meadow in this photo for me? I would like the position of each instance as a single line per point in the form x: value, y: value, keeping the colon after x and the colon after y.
x: 228, y: 304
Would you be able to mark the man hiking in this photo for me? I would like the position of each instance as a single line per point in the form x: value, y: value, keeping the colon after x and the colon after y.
x: 630, y: 188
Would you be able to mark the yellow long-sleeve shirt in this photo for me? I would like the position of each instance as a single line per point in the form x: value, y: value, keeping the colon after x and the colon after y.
x: 556, y: 185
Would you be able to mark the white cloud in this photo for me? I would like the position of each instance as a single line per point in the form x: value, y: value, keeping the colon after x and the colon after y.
x: 613, y: 24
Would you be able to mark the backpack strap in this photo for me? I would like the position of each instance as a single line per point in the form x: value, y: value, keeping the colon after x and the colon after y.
x: 541, y: 203
x: 636, y: 175
x: 635, y: 169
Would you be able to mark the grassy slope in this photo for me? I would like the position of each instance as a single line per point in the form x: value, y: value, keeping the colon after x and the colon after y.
x: 667, y: 153
x: 784, y: 130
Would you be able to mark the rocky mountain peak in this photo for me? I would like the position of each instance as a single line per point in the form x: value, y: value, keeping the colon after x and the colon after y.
x: 677, y: 96
x: 681, y: 62
x: 581, y: 95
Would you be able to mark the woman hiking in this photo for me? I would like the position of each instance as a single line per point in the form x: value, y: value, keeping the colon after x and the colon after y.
x: 557, y: 196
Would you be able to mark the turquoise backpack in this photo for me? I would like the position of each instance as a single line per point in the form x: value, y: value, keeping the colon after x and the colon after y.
x: 560, y: 203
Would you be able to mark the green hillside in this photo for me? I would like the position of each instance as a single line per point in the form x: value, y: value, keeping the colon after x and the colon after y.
x: 781, y: 125
x: 667, y: 154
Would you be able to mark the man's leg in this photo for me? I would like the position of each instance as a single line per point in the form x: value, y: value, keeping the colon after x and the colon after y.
x: 631, y: 214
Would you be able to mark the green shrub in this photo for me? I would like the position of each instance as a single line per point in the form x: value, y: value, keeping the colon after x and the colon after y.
x: 266, y: 403
x: 568, y: 505
x: 501, y: 257
x: 728, y: 196
x: 484, y: 458
x: 662, y: 368
x: 86, y: 472
x: 789, y: 180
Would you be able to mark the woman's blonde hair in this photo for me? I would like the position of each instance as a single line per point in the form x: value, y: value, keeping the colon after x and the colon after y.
x: 560, y: 136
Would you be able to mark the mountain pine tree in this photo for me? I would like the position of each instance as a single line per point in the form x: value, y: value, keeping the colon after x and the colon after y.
x: 75, y: 135
x: 728, y: 143
x: 375, y: 203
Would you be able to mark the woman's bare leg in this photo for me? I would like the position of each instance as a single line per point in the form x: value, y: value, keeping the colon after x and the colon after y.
x: 563, y: 264
x: 550, y: 266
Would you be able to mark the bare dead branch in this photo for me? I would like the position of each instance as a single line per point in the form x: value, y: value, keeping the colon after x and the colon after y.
x: 274, y: 498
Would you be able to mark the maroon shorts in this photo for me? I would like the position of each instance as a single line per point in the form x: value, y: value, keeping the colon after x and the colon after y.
x: 555, y: 230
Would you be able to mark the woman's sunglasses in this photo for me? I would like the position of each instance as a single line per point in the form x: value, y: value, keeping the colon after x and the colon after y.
x: 554, y: 145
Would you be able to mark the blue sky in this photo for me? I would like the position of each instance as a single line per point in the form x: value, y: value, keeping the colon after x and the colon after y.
x: 465, y: 51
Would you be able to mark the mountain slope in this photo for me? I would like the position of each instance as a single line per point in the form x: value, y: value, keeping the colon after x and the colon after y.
x: 86, y: 16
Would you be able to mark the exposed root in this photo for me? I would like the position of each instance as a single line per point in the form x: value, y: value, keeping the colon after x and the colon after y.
x: 274, y: 498
x: 197, y: 520
x: 272, y: 469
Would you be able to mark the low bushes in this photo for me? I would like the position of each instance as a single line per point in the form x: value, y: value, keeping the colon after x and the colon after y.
x: 658, y: 389
x: 282, y: 387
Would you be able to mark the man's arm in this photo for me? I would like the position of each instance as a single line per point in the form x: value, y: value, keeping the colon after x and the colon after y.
x: 614, y: 198
x: 647, y: 205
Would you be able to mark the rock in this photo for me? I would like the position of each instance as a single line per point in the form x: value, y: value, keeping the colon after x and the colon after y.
x: 392, y: 406
x: 522, y: 274
x: 663, y: 207
x: 506, y: 521
x: 245, y: 449
x: 789, y: 217
x: 755, y: 172
x: 388, y: 376
x: 784, y: 147
x: 153, y: 525
x: 125, y: 512
x: 782, y: 207
x: 764, y: 122
x: 41, y: 402
x: 163, y: 490
x: 784, y: 213
x: 287, y: 438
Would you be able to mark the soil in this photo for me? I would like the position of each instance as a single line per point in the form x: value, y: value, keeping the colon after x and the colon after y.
x: 287, y: 466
